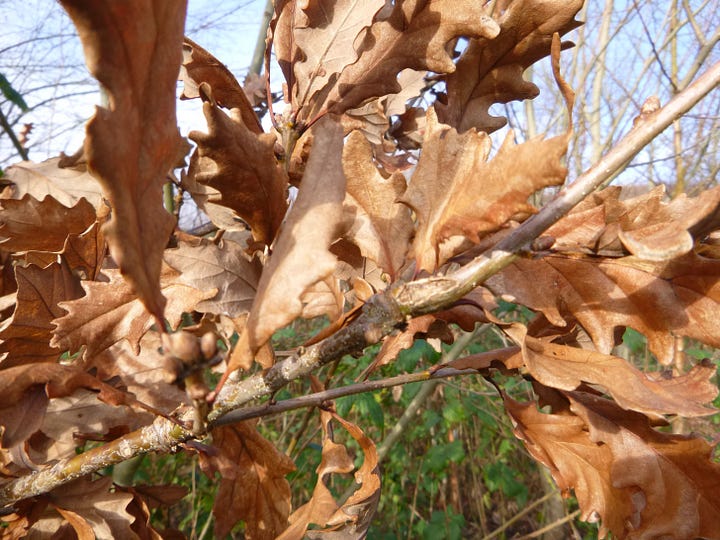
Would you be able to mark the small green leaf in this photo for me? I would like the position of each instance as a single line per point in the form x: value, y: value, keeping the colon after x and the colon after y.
x: 10, y: 93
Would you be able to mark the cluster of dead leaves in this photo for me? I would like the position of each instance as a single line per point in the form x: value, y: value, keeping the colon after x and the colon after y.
x: 94, y: 269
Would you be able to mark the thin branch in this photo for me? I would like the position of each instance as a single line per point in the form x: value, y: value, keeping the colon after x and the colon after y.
x: 550, y: 526
x: 10, y: 133
x: 519, y: 515
x: 318, y: 398
x: 380, y: 315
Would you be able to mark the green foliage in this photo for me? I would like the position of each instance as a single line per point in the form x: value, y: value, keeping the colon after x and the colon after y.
x: 11, y: 94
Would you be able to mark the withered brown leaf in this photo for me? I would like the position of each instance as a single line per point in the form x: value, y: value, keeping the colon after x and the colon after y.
x: 134, y: 50
x: 110, y: 312
x: 322, y: 43
x: 576, y: 462
x: 659, y: 299
x: 646, y: 225
x: 672, y: 479
x: 28, y: 224
x: 65, y: 185
x: 455, y: 191
x: 241, y: 165
x: 491, y: 70
x: 352, y: 519
x: 301, y: 256
x: 563, y: 367
x: 381, y: 226
x: 91, y: 509
x: 25, y: 337
x: 224, y: 268
x: 199, y: 66
x: 407, y: 35
x: 253, y: 487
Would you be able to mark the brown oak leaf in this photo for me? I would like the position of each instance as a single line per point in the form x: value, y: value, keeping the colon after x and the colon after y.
x: 301, y: 256
x: 491, y: 70
x: 134, y: 50
x: 253, y: 487
x: 646, y: 225
x: 658, y: 299
x: 561, y: 443
x: 412, y: 34
x: 223, y: 267
x: 67, y: 185
x: 455, y: 191
x: 25, y: 337
x: 239, y: 163
x: 199, y: 66
x: 315, y: 41
x: 33, y: 384
x: 322, y: 505
x: 28, y: 224
x: 565, y: 368
x: 352, y: 519
x: 89, y: 507
x: 672, y: 479
x: 381, y: 226
x: 110, y: 312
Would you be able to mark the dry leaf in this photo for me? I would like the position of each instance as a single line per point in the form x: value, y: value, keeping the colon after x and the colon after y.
x: 321, y: 506
x: 150, y: 375
x: 661, y: 300
x: 224, y: 268
x: 381, y: 227
x: 83, y: 414
x: 24, y: 393
x: 301, y: 256
x: 134, y: 50
x: 90, y: 507
x: 324, y: 35
x: 491, y: 70
x: 26, y: 335
x: 241, y: 165
x: 352, y: 519
x: 199, y: 66
x: 455, y: 191
x: 404, y: 35
x: 645, y: 225
x: 561, y: 443
x: 253, y: 487
x: 48, y: 179
x: 672, y: 479
x: 565, y: 368
x: 31, y: 225
x: 110, y: 312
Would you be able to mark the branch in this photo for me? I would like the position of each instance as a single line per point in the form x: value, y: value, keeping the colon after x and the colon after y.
x: 380, y: 315
x: 10, y: 133
x: 318, y: 398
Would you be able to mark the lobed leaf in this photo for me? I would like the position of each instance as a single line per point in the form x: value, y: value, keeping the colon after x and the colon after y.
x: 565, y: 368
x: 490, y: 70
x: 456, y: 191
x: 110, y: 312
x: 134, y: 50
x: 239, y: 163
x: 253, y: 487
x: 301, y: 256
x: 658, y: 299
x: 381, y: 227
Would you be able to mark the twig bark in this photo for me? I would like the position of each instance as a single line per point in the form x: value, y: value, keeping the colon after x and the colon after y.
x: 380, y: 316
